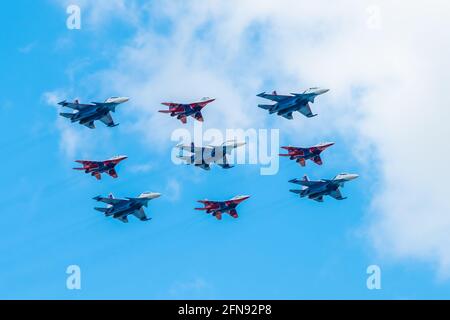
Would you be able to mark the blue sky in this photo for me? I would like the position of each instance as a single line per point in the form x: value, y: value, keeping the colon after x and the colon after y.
x: 281, y: 247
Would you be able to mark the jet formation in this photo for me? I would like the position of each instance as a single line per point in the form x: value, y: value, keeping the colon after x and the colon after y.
x: 217, y: 208
x: 300, y: 155
x: 121, y: 208
x: 287, y: 104
x: 96, y: 168
x: 87, y: 114
x: 316, y: 190
x: 203, y: 157
x: 182, y: 111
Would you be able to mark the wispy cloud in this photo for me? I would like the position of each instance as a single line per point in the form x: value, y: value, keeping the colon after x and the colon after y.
x: 388, y: 91
x: 28, y: 48
x: 140, y: 168
x: 196, y: 287
x: 172, y: 190
x: 72, y: 141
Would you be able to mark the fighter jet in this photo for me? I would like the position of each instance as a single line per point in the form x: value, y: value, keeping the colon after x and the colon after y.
x: 217, y: 208
x: 286, y: 104
x: 302, y: 154
x: 122, y: 208
x: 96, y: 168
x: 316, y: 190
x: 203, y: 156
x: 182, y: 111
x: 86, y: 114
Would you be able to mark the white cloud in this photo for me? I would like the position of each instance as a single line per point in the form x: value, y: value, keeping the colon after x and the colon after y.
x: 52, y: 97
x: 140, y: 168
x: 72, y: 141
x: 173, y: 190
x: 28, y: 47
x: 387, y: 69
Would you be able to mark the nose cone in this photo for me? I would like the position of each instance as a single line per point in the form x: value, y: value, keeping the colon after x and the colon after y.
x: 150, y: 195
x: 241, y: 198
x: 123, y: 99
x: 352, y: 176
x: 325, y: 145
x: 235, y: 144
x: 155, y: 195
x: 322, y: 91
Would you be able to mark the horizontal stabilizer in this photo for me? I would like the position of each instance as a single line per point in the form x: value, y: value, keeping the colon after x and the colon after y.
x: 265, y: 106
x: 296, y: 191
x: 102, y: 209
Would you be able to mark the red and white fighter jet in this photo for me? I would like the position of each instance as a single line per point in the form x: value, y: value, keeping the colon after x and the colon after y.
x: 96, y: 168
x: 217, y: 208
x: 302, y: 154
x: 182, y: 111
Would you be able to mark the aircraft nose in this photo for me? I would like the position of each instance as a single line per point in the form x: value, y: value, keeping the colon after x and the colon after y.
x: 123, y: 99
x: 353, y: 176
x: 156, y: 195
x: 322, y: 91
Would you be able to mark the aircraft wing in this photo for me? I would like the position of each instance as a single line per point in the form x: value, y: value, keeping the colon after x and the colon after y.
x: 205, y: 166
x: 318, y: 199
x: 189, y: 148
x: 274, y: 97
x: 306, y: 183
x: 110, y: 201
x: 113, y: 173
x: 208, y: 203
x: 223, y: 163
x: 90, y: 125
x: 337, y: 194
x: 183, y: 119
x: 306, y: 111
x: 171, y: 104
x: 73, y: 105
x: 140, y: 214
x: 124, y: 219
x: 318, y: 160
x: 198, y: 116
x: 87, y: 162
x: 108, y: 120
x: 288, y: 115
x: 218, y: 215
x: 301, y: 161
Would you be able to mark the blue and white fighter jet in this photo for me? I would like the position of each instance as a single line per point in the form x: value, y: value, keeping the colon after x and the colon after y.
x: 86, y: 114
x: 316, y: 190
x: 287, y: 104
